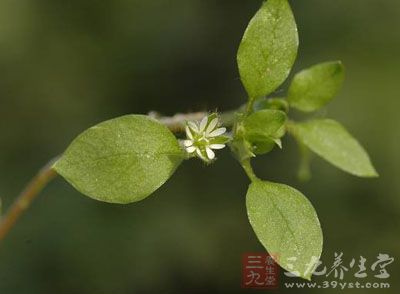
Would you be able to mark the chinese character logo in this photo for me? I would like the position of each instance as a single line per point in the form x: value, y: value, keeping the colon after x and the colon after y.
x: 259, y: 271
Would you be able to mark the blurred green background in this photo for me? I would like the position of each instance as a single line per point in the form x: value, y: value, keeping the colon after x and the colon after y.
x: 67, y: 65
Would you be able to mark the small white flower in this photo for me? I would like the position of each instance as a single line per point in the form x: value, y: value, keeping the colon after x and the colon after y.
x: 205, y: 136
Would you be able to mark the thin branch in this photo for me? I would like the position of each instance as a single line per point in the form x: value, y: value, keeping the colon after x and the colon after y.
x: 177, y: 122
x: 43, y: 177
x: 246, y: 164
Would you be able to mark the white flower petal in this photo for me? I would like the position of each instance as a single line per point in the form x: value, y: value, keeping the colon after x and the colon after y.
x: 187, y: 143
x: 217, y: 132
x: 217, y: 146
x: 191, y: 149
x: 203, y: 124
x: 210, y: 153
x: 193, y: 126
x: 212, y: 125
x: 188, y: 133
x: 199, y: 153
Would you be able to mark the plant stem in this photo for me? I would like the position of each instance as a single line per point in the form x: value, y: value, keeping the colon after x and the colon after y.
x: 42, y: 178
x: 246, y: 164
x: 304, y: 172
x: 249, y: 106
x: 175, y: 123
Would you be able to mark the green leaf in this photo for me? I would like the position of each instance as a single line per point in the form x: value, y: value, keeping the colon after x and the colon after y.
x: 286, y: 224
x: 264, y: 123
x: 122, y: 160
x: 263, y: 129
x: 263, y: 146
x: 331, y: 141
x: 314, y: 87
x: 268, y: 48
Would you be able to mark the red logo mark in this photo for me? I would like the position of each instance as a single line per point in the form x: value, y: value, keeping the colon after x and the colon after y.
x: 260, y: 271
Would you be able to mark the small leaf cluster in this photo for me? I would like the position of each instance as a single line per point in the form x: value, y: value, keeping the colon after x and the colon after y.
x: 126, y: 159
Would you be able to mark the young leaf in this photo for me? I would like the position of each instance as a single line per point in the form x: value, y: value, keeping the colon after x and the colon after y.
x: 314, y: 87
x: 263, y: 146
x: 263, y: 128
x: 331, y: 141
x: 264, y: 123
x: 286, y: 224
x: 268, y: 48
x: 122, y: 160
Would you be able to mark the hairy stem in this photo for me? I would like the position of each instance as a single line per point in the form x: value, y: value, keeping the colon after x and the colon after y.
x: 175, y: 123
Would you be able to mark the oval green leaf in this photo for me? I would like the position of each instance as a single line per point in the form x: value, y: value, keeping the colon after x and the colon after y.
x: 268, y: 49
x: 286, y: 224
x: 314, y: 87
x: 331, y: 141
x: 122, y: 160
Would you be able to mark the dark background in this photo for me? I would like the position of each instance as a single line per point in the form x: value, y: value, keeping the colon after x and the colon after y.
x: 67, y: 65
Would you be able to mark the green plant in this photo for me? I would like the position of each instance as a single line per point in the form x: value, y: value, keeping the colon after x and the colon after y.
x: 126, y: 159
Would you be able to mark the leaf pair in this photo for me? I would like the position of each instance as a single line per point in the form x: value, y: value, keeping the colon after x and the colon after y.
x: 267, y: 53
x: 258, y: 133
x: 283, y: 219
x: 310, y: 90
